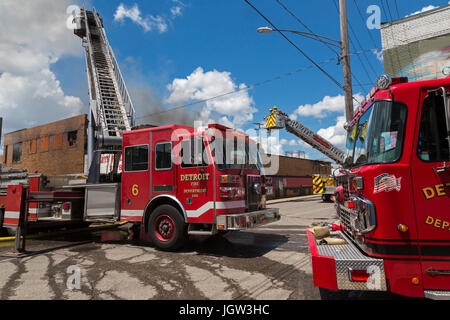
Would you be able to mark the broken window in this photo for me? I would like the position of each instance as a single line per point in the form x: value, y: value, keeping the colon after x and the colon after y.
x: 17, y: 152
x: 72, y: 138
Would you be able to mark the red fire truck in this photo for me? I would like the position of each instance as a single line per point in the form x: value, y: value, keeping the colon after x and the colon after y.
x: 176, y: 182
x: 393, y: 196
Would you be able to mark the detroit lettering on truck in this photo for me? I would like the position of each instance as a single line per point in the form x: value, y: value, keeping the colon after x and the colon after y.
x: 393, y: 195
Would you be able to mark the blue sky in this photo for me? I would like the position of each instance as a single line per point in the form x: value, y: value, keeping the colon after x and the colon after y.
x: 160, y: 43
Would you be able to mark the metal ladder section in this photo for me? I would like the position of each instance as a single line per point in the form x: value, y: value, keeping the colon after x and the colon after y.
x: 315, y: 140
x: 278, y: 120
x: 113, y: 110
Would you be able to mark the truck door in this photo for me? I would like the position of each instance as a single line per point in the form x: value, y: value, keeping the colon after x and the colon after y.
x: 196, y: 179
x: 135, y: 175
x: 163, y: 170
x: 431, y: 186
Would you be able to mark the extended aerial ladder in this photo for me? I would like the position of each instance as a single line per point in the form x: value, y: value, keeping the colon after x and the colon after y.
x: 278, y: 120
x: 111, y: 109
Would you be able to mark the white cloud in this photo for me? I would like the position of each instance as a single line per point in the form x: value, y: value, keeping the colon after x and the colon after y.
x: 34, y: 36
x: 293, y: 142
x: 335, y: 134
x: 324, y: 107
x: 424, y: 9
x: 177, y: 10
x: 232, y: 110
x: 378, y: 54
x: 148, y: 23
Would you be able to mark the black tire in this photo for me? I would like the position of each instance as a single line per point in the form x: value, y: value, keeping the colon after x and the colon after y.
x: 326, y: 294
x: 166, y: 228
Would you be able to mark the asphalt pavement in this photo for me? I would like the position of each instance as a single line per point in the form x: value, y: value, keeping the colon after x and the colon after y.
x: 270, y: 262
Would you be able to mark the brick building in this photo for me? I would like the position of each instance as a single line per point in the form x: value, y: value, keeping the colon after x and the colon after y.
x: 294, y: 175
x: 54, y: 148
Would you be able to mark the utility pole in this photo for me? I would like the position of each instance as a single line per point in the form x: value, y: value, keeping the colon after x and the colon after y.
x: 346, y: 61
x: 1, y: 123
x: 258, y: 126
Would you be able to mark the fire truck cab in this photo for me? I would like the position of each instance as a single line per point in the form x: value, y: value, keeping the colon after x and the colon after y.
x: 177, y: 181
x: 393, y: 195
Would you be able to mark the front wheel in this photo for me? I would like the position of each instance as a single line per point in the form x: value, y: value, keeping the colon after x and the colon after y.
x: 166, y: 228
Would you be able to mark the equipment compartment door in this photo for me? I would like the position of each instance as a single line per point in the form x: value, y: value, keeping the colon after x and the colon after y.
x: 431, y: 187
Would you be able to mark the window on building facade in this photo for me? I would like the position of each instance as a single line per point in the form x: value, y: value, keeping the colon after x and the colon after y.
x: 33, y: 147
x: 43, y: 144
x: 72, y: 137
x: 17, y: 152
x: 57, y: 141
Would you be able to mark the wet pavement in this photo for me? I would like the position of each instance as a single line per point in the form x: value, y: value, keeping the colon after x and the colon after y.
x: 271, y: 262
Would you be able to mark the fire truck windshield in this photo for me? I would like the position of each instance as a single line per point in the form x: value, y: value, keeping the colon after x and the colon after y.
x: 232, y: 153
x: 378, y: 135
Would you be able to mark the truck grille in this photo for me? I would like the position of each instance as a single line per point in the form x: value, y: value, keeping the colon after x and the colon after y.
x: 344, y: 216
x: 254, y: 192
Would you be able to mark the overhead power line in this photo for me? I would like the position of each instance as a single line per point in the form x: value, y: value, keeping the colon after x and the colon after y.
x: 358, y: 82
x: 246, y: 88
x: 307, y: 28
x: 298, y: 49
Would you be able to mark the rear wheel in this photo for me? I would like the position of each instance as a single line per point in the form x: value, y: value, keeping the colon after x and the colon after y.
x: 166, y: 228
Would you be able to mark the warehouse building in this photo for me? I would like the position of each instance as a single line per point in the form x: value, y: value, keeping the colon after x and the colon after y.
x: 294, y: 176
x: 55, y: 148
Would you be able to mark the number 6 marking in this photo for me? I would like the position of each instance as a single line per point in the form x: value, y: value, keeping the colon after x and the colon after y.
x: 135, y: 190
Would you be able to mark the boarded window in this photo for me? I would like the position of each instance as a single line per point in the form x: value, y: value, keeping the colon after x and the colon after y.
x: 57, y: 141
x: 43, y: 144
x: 72, y: 137
x: 33, y: 146
x: 17, y: 152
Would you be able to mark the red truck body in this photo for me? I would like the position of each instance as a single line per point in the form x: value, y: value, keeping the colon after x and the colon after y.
x: 395, y: 209
x: 175, y: 181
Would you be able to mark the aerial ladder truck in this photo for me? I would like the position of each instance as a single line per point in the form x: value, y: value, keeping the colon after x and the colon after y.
x: 175, y: 180
x: 278, y: 120
x: 111, y: 110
